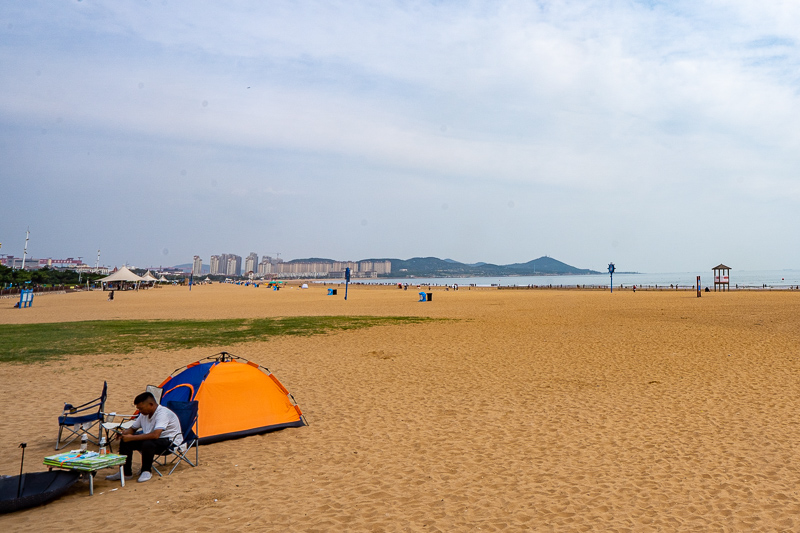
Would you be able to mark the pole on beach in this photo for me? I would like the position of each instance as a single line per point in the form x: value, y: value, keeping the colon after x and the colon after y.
x: 699, y: 293
x: 22, y: 445
x: 25, y: 252
x: 346, y: 281
x: 611, y: 269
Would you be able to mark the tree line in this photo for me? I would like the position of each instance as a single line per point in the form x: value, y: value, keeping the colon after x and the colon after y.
x: 43, y: 276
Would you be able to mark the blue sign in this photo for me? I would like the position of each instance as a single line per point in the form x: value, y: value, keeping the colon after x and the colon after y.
x: 611, y: 269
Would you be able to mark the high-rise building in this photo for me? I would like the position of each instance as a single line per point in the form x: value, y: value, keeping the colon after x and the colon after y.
x: 197, y: 266
x: 234, y: 267
x: 215, y: 265
x: 265, y: 266
x: 251, y: 263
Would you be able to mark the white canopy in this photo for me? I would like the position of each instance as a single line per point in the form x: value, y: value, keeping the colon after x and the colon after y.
x: 123, y: 274
x: 162, y: 278
x: 149, y: 277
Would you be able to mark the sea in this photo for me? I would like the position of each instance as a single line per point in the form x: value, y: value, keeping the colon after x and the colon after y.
x: 742, y: 280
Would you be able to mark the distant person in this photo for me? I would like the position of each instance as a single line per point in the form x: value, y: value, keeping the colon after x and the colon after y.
x: 111, y: 295
x: 160, y: 428
x: 634, y: 288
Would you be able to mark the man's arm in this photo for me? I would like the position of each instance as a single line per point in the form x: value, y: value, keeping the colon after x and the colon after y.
x: 128, y: 435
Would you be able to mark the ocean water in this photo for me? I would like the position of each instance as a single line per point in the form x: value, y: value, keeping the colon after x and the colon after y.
x: 754, y: 279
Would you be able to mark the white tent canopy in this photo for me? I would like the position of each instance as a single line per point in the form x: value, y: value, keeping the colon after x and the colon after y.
x: 163, y: 279
x: 123, y: 274
x: 149, y: 277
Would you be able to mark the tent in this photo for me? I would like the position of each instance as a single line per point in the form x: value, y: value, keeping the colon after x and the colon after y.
x: 149, y: 277
x: 121, y: 276
x: 236, y: 397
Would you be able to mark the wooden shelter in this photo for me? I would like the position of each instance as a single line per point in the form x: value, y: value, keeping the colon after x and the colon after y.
x: 722, y: 277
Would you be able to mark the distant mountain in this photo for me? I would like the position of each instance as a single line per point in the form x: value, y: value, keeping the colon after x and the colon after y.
x: 311, y: 260
x: 433, y: 267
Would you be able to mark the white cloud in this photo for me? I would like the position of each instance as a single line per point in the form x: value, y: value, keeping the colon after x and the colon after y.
x: 615, y: 98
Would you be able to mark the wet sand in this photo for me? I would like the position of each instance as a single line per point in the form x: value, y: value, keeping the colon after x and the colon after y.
x: 520, y: 410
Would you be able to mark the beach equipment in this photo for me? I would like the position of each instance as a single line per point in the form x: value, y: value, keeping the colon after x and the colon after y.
x: 81, y: 420
x: 236, y: 397
x: 86, y: 463
x: 187, y: 416
x: 35, y: 488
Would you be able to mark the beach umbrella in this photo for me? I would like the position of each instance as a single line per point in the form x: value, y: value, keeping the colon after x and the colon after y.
x: 35, y: 488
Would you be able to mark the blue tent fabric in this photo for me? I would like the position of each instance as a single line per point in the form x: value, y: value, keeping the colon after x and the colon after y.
x: 192, y: 376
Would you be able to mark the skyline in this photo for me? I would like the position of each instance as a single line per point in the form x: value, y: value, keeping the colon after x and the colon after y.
x: 658, y: 136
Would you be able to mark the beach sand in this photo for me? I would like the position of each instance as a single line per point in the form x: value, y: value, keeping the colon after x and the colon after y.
x: 535, y: 410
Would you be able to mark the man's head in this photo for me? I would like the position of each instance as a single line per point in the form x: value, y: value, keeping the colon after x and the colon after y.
x: 146, y: 403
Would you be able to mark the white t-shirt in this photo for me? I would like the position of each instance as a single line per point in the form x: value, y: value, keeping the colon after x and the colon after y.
x: 162, y: 419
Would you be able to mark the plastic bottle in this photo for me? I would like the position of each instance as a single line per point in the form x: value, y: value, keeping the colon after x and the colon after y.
x: 84, y: 442
x: 103, y: 450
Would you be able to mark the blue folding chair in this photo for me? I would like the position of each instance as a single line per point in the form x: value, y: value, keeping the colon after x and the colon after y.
x: 187, y: 416
x: 78, y: 424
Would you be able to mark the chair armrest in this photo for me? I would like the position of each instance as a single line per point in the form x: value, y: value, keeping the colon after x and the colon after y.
x: 87, y: 405
x: 116, y: 425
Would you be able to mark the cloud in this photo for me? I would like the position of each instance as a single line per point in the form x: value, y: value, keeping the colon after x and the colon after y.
x: 580, y: 103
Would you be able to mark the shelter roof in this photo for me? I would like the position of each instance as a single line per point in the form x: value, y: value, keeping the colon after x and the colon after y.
x: 149, y: 277
x: 123, y: 274
x: 721, y: 267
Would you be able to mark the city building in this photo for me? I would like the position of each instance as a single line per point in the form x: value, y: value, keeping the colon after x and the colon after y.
x: 215, y: 265
x: 234, y: 264
x: 31, y: 263
x: 231, y: 265
x: 332, y: 269
x: 251, y: 263
x: 197, y: 266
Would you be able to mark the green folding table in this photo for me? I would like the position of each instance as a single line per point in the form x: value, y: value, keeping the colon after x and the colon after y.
x: 87, y: 463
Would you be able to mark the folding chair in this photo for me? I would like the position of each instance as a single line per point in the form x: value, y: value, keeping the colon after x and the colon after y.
x: 78, y: 424
x: 157, y: 392
x: 187, y: 415
x: 111, y: 426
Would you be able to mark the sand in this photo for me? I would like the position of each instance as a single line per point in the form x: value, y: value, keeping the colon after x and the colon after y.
x: 523, y: 410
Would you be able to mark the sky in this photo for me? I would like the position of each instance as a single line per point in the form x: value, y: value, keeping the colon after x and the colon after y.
x: 662, y: 136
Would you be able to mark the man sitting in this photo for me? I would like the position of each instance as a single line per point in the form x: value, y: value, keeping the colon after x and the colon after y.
x: 160, y: 428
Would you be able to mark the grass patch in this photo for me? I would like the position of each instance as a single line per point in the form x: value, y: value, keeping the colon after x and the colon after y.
x: 28, y: 343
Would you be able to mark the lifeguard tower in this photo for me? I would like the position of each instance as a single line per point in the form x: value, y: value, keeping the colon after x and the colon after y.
x: 722, y: 277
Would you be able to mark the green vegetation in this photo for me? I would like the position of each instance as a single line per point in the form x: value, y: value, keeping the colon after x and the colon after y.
x: 43, y: 276
x: 38, y: 342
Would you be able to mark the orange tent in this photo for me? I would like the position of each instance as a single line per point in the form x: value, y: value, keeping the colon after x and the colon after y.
x: 236, y: 397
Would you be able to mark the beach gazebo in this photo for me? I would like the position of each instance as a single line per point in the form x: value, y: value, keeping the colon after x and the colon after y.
x: 120, y: 277
x: 722, y: 277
